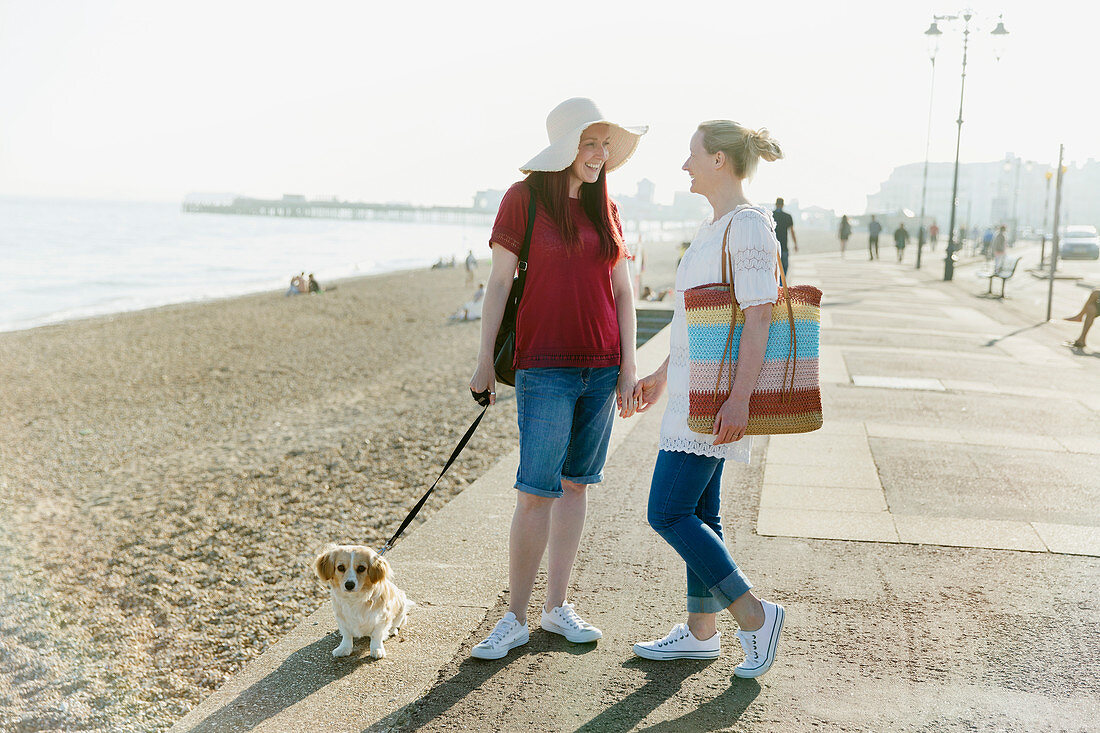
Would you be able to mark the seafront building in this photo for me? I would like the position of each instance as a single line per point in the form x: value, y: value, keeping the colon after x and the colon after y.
x: 1011, y: 191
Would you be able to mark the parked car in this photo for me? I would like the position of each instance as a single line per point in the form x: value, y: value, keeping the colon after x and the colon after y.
x: 1079, y: 242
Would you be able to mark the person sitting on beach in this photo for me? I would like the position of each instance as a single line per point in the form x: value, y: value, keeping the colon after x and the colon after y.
x: 314, y: 286
x: 1088, y: 315
x: 575, y: 349
x: 297, y: 287
x: 471, y: 309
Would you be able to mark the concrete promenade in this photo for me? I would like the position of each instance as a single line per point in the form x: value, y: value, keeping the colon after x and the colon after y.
x: 936, y: 545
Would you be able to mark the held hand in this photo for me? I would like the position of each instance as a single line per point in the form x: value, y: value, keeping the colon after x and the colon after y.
x: 485, y: 380
x: 651, y: 389
x: 732, y: 420
x: 627, y: 395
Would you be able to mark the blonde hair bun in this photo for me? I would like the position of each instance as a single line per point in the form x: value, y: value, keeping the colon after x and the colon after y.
x: 742, y: 146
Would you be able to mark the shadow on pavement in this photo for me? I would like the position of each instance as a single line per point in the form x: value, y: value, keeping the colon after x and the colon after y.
x: 663, y: 680
x: 1018, y: 331
x: 303, y: 673
x: 717, y: 714
x: 471, y: 674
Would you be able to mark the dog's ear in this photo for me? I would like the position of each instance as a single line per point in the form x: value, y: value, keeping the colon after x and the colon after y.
x: 324, y: 565
x: 378, y: 570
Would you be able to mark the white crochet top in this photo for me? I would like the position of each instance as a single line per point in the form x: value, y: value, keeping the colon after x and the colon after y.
x: 753, y: 245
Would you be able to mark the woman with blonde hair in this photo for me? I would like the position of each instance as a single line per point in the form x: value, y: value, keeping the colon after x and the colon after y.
x: 574, y: 351
x: 684, y: 498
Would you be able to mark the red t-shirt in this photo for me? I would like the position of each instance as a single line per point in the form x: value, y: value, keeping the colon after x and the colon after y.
x: 567, y: 313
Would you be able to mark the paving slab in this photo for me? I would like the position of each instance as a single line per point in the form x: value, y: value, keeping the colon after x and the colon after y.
x: 1070, y: 539
x: 831, y: 366
x: 862, y: 475
x: 989, y: 533
x: 864, y: 380
x: 801, y: 496
x: 826, y: 524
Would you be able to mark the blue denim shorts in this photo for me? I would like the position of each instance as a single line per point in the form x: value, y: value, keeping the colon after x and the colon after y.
x: 565, y: 417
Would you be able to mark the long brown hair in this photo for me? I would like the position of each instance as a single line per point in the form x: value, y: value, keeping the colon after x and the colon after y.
x: 551, y: 189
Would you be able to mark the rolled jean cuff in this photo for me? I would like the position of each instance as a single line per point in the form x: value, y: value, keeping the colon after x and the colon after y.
x: 536, y: 491
x: 594, y: 478
x: 730, y: 588
x: 710, y: 604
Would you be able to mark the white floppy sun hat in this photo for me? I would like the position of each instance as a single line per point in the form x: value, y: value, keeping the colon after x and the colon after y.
x: 564, y: 126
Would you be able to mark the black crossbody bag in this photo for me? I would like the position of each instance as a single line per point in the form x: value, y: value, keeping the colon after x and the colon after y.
x: 504, y: 363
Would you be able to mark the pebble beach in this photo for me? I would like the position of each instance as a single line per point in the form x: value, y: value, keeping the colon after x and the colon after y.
x: 167, y: 476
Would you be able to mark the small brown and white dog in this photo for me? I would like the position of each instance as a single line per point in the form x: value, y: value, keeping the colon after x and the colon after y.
x: 365, y: 600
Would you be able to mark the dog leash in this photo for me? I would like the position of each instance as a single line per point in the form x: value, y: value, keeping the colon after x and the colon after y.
x: 483, y: 400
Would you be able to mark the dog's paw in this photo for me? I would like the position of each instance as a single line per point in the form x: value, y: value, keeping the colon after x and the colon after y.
x: 342, y: 651
x: 379, y: 653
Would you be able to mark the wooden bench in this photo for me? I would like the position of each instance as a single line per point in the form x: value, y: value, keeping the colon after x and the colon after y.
x: 1004, y: 272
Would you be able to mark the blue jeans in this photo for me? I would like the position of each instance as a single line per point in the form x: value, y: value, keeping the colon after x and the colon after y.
x: 565, y: 416
x: 684, y: 501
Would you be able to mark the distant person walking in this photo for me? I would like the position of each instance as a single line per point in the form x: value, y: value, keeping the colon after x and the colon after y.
x: 844, y: 233
x: 575, y: 336
x: 933, y: 235
x: 685, y: 495
x: 1088, y: 315
x: 901, y: 238
x: 784, y: 223
x: 873, y: 230
x: 987, y: 243
x: 999, y: 247
x: 471, y: 267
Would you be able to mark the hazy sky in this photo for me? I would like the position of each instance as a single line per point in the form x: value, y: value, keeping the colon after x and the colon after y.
x: 430, y: 101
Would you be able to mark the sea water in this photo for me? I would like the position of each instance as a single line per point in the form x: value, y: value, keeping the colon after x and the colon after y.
x: 68, y: 259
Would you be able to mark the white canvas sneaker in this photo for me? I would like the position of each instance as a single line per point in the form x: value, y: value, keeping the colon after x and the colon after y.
x: 680, y: 644
x: 506, y: 635
x: 760, y: 645
x: 565, y: 621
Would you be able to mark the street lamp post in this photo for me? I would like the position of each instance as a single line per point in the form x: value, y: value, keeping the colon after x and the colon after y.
x: 998, y: 33
x: 1046, y: 207
x: 1015, y: 200
x: 933, y: 33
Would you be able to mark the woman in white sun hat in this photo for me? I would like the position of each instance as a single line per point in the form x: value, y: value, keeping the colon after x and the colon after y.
x: 574, y: 353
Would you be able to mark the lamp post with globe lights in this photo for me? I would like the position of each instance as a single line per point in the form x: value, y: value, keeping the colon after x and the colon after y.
x: 999, y: 35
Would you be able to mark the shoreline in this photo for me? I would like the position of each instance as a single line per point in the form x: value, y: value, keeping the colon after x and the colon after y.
x: 206, y: 299
x: 815, y: 241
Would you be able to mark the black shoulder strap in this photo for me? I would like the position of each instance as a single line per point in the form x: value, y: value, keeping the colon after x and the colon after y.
x: 525, y: 250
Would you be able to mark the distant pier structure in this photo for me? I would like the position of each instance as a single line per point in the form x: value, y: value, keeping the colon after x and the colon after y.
x: 642, y: 218
x: 291, y: 205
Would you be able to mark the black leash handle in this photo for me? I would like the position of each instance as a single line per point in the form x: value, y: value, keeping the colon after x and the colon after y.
x: 483, y: 400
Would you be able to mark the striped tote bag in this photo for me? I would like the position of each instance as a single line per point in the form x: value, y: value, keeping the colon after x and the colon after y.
x: 787, y: 396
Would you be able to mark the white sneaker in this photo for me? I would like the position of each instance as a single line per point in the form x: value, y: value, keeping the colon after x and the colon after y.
x: 760, y: 645
x: 506, y: 635
x: 680, y: 644
x: 565, y: 621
